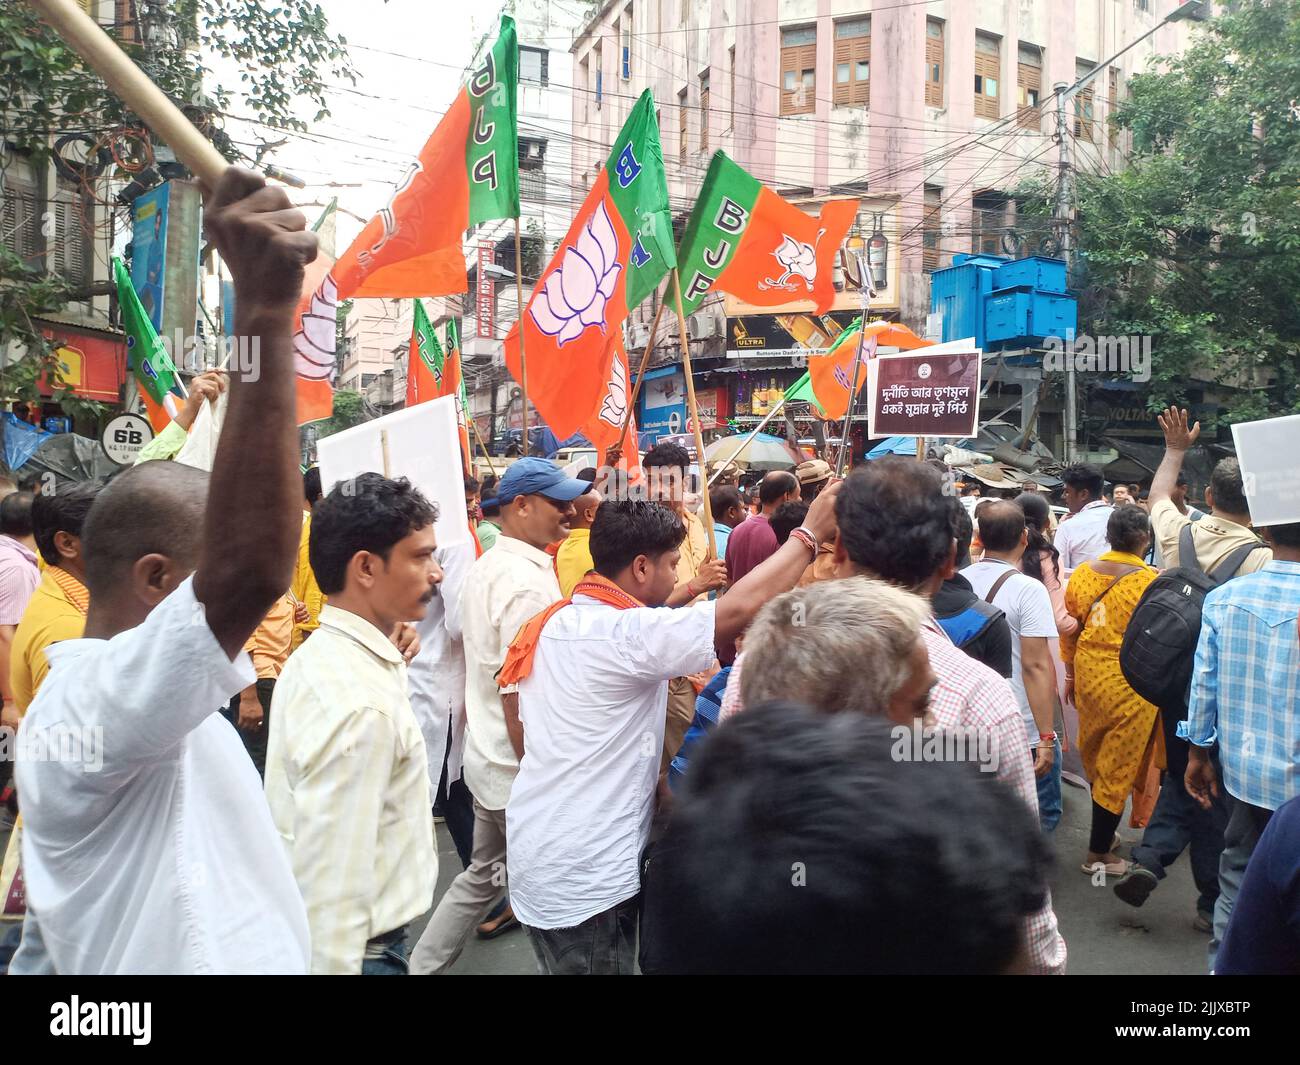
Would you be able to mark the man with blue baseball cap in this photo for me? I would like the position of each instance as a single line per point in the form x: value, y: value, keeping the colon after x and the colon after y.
x: 503, y: 589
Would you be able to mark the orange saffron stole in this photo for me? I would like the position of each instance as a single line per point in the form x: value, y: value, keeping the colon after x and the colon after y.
x: 523, y: 648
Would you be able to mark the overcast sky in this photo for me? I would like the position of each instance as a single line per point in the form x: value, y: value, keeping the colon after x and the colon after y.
x: 366, y: 141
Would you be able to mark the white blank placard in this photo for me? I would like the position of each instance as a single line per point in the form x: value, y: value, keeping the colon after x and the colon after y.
x: 423, y: 446
x: 1266, y: 451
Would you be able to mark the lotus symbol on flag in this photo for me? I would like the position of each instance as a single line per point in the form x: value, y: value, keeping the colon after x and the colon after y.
x: 615, y: 405
x: 313, y: 343
x: 575, y: 294
x: 797, y: 258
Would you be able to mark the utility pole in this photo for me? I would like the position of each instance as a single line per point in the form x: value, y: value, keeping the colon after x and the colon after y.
x: 1063, y: 212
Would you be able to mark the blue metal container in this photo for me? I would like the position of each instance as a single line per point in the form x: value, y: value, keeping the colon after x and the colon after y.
x: 958, y: 293
x: 1037, y: 271
x: 1026, y: 314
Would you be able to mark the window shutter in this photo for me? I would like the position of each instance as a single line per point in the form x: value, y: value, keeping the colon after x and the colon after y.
x: 852, y: 59
x: 988, y: 91
x: 934, y: 64
x: 798, y: 71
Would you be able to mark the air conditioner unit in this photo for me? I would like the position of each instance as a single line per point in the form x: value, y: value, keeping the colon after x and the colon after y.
x: 638, y: 335
x: 536, y: 150
x: 701, y: 325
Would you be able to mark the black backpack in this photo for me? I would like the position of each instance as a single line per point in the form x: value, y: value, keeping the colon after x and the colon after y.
x: 1159, y: 648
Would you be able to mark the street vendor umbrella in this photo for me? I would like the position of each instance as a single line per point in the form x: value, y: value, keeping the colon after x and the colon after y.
x: 762, y: 453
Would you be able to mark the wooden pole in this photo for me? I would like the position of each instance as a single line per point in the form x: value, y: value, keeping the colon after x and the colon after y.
x: 80, y: 32
x: 640, y: 374
x: 479, y: 437
x: 694, y: 412
x: 523, y: 360
x: 383, y: 448
x: 864, y: 273
x: 920, y: 449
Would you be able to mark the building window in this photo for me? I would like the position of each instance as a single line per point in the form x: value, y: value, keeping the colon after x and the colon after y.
x: 933, y: 63
x: 930, y: 231
x: 534, y: 66
x: 798, y: 70
x: 989, y: 222
x: 20, y: 213
x: 600, y: 65
x: 625, y: 46
x: 988, y: 55
x: 704, y: 111
x: 584, y: 80
x: 1029, y: 85
x: 1084, y: 107
x: 68, y: 250
x: 532, y: 169
x: 853, y: 62
x: 731, y: 97
x: 1112, y: 104
x: 681, y: 127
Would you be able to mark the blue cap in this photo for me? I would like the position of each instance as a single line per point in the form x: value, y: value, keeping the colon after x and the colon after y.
x: 534, y: 476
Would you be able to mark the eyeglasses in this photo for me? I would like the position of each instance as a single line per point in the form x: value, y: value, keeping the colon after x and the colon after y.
x: 561, y: 506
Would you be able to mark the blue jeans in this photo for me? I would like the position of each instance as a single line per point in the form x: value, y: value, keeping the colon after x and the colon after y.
x: 1049, y: 794
x: 394, y: 961
x: 1178, y: 823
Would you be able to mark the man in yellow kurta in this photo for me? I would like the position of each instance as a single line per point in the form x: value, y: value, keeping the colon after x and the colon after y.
x: 304, y: 587
x: 573, y: 560
x: 57, y: 609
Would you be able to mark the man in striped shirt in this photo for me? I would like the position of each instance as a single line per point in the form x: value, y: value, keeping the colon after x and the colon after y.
x: 347, y: 775
x: 1246, y: 697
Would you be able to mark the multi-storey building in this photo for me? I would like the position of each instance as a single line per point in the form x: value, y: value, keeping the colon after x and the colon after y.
x: 930, y: 113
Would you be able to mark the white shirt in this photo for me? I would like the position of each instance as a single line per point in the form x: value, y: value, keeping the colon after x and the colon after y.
x: 347, y: 779
x: 505, y: 588
x: 1028, y: 608
x: 593, y: 711
x: 165, y: 860
x: 437, y: 674
x: 1082, y: 537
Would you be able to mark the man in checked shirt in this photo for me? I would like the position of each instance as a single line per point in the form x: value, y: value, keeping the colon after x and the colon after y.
x: 896, y: 524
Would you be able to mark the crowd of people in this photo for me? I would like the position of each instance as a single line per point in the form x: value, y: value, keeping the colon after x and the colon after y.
x: 827, y: 738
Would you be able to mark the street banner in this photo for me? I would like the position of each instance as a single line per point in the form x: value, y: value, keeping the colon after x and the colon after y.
x: 742, y: 238
x: 925, y: 393
x: 468, y: 172
x: 420, y: 442
x: 1266, y: 450
x: 616, y: 252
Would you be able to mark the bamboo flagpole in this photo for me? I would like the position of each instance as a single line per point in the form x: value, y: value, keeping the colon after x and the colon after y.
x: 80, y: 32
x: 694, y: 412
x: 863, y: 272
x: 523, y: 360
x: 479, y: 437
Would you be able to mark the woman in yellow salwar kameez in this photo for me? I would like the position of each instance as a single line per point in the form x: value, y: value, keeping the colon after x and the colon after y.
x: 1119, y: 731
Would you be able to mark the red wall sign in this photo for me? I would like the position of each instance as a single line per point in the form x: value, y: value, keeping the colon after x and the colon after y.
x: 90, y: 365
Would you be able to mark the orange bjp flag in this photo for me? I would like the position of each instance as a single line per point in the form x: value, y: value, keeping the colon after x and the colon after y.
x: 831, y: 372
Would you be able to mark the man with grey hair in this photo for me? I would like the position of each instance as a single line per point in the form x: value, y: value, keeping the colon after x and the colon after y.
x: 842, y: 646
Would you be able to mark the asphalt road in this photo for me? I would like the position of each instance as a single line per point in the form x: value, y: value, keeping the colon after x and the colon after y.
x: 1102, y: 934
